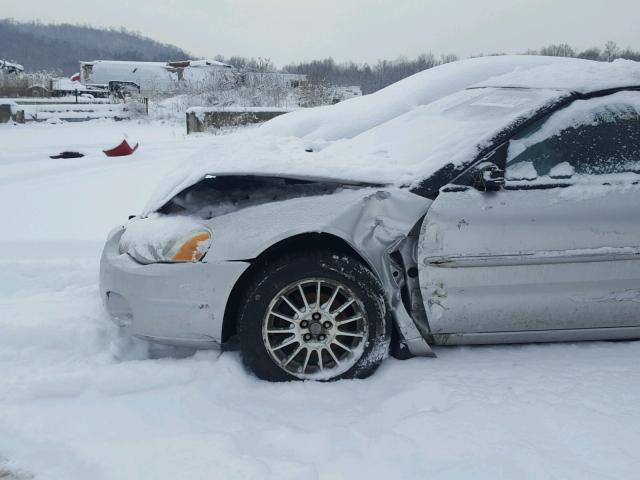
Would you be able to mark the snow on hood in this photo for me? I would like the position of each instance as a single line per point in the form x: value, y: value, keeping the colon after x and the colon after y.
x: 424, y: 129
x: 249, y: 152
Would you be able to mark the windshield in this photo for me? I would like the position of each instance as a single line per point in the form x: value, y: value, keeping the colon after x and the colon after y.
x: 450, y: 132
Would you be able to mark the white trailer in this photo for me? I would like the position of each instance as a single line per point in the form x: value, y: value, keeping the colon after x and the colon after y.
x: 153, y: 77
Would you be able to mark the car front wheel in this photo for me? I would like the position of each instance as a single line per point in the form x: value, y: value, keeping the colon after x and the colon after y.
x: 316, y: 316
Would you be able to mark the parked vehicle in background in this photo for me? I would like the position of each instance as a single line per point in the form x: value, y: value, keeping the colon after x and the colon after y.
x: 495, y: 202
x: 152, y: 77
x: 9, y: 67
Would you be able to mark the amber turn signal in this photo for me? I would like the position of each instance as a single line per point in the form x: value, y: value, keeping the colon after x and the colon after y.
x: 193, y: 249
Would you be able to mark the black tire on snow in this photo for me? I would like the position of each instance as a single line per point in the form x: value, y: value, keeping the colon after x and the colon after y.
x: 272, y: 277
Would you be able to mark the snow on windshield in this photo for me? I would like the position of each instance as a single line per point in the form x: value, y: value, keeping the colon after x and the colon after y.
x: 452, y: 130
x: 581, y: 112
x: 580, y: 133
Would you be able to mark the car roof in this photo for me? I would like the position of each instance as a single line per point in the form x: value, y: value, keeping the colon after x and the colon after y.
x: 582, y: 76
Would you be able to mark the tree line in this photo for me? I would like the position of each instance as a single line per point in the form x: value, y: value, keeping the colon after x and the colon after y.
x: 372, y: 77
x: 385, y: 72
x: 58, y: 49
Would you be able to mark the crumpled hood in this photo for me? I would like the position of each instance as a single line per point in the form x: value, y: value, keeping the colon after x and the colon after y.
x: 251, y: 153
x: 338, y: 181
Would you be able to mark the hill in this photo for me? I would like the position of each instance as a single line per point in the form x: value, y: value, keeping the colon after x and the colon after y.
x: 53, y: 47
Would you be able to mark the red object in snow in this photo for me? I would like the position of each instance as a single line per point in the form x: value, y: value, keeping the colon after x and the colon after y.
x: 75, y: 78
x: 121, y: 150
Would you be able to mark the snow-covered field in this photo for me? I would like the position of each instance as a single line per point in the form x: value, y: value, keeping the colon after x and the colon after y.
x: 78, y: 402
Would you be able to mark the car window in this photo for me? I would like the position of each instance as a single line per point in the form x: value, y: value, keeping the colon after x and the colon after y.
x: 588, y: 138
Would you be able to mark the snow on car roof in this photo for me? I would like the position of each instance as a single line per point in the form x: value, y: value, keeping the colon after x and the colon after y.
x: 582, y: 76
x: 428, y: 128
x: 354, y: 116
x: 208, y: 63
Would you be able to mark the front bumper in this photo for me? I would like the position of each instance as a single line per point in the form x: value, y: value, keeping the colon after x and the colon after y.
x: 177, y: 304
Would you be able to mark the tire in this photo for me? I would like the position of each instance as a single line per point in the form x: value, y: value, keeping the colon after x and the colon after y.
x: 329, y: 339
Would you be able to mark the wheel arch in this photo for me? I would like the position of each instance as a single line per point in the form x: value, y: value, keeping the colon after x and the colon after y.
x: 310, y: 241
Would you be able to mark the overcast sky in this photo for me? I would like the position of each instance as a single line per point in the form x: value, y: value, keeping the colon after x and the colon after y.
x: 360, y: 30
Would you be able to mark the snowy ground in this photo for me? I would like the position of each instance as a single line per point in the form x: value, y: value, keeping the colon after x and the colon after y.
x: 77, y: 402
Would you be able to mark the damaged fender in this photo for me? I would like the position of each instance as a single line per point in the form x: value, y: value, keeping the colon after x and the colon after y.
x: 372, y: 221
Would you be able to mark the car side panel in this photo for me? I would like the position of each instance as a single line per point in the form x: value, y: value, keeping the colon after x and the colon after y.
x: 532, y: 260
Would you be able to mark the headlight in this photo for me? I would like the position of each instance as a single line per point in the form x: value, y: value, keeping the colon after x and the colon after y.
x: 193, y: 249
x: 165, y: 238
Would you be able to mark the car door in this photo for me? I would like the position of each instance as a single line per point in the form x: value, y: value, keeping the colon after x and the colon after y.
x: 555, y: 251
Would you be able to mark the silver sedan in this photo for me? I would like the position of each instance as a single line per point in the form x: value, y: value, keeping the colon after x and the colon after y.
x: 524, y: 228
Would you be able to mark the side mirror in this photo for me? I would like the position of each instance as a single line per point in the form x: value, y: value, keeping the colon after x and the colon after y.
x: 487, y: 177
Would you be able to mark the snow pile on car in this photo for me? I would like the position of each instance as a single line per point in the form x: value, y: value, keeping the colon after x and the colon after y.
x: 352, y: 117
x: 401, y: 133
x: 581, y: 76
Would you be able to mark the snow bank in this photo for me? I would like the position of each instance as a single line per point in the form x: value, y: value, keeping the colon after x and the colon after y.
x: 81, y: 111
x: 538, y: 411
x: 200, y: 110
x: 77, y: 401
x: 82, y: 198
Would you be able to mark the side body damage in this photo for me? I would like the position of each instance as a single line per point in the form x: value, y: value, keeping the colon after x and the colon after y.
x: 247, y: 216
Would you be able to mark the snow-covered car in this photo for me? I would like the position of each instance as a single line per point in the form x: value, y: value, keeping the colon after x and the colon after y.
x: 500, y: 203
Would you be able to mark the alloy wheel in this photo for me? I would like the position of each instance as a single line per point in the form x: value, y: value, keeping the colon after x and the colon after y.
x: 315, y: 328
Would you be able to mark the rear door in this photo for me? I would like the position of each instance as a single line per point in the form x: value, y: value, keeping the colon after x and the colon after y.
x: 558, y: 248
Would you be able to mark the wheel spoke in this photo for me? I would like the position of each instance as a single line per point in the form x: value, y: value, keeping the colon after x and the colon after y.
x: 280, y: 330
x: 288, y: 302
x: 335, y: 359
x: 349, y: 320
x: 285, y: 343
x: 306, y: 360
x: 332, y: 299
x: 348, y: 334
x: 319, y: 353
x: 343, y: 307
x: 283, y: 317
x: 293, y: 355
x: 318, y: 293
x: 304, y: 298
x: 342, y: 345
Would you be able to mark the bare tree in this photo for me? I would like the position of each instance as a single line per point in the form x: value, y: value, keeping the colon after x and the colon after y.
x: 629, y: 54
x: 559, y: 50
x: 611, y: 51
x: 593, y: 53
